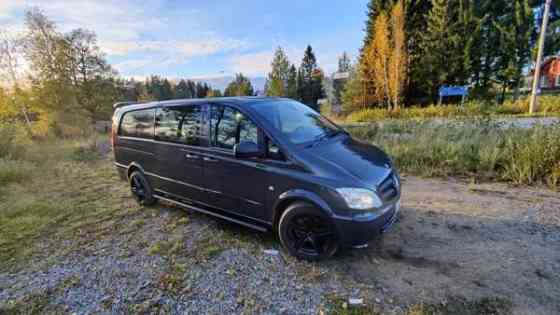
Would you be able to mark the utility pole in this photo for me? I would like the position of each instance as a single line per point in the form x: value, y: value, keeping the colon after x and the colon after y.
x: 537, y: 76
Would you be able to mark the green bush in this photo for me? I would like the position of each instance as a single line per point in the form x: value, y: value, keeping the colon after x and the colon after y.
x: 473, y: 148
x: 13, y: 139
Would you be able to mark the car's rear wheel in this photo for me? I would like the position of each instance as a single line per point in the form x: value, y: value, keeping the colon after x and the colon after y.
x: 307, y: 233
x: 141, y: 189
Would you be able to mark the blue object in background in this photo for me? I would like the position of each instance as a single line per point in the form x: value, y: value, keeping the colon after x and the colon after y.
x: 462, y: 91
x: 453, y: 91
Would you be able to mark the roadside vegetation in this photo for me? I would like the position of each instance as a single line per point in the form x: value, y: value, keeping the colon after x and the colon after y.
x: 477, y: 149
x: 548, y: 106
x: 53, y: 187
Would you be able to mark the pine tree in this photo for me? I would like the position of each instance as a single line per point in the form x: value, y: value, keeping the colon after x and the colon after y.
x: 241, y: 86
x: 277, y: 82
x: 191, y: 88
x: 182, y: 90
x: 166, y: 90
x: 515, y: 50
x: 291, y: 90
x: 214, y: 93
x: 353, y: 95
x: 344, y: 63
x: 201, y: 89
x: 311, y: 88
x: 435, y: 47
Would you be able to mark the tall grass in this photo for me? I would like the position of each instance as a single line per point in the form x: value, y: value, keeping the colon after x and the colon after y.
x: 480, y: 149
x: 47, y: 183
x: 548, y: 105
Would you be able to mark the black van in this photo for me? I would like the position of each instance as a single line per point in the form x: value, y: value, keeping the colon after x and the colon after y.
x: 266, y: 163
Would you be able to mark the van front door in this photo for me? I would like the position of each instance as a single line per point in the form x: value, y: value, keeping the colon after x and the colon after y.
x: 233, y: 185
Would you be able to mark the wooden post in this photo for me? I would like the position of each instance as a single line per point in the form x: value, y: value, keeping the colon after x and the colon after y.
x: 537, y: 75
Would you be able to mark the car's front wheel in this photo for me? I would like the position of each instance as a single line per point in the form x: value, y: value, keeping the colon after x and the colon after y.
x: 307, y: 233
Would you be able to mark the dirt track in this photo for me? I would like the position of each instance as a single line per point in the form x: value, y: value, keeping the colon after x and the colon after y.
x: 469, y: 241
x: 453, y: 241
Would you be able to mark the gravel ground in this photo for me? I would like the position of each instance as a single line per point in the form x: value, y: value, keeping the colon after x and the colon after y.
x: 454, y: 240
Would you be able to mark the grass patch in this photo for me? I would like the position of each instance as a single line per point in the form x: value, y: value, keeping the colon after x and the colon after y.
x: 39, y: 303
x: 548, y: 106
x: 456, y: 306
x: 485, y: 306
x: 477, y: 149
x: 51, y: 191
x: 15, y: 171
x: 336, y: 305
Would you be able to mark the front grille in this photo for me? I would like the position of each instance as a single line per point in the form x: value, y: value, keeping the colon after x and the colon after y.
x: 388, y: 188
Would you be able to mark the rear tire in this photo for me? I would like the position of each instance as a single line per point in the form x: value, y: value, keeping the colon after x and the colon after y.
x: 141, y: 189
x: 307, y: 233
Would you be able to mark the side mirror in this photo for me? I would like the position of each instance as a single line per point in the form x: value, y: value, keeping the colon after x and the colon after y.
x: 246, y: 149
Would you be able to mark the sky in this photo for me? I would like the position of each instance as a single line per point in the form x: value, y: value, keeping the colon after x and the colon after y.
x: 204, y: 38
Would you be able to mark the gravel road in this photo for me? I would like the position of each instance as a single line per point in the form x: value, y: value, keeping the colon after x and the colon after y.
x: 454, y: 241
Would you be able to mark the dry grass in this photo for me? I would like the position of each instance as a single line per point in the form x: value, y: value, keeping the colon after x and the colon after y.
x: 477, y: 149
x: 548, y: 106
x: 60, y: 189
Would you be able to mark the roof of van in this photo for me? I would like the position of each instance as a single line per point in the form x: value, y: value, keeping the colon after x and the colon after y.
x: 240, y: 101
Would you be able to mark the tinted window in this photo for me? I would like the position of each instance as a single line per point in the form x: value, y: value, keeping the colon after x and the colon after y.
x: 138, y: 123
x: 179, y: 124
x: 228, y: 127
x: 295, y: 121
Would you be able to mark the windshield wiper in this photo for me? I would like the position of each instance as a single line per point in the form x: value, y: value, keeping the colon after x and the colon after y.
x: 318, y: 139
x: 337, y: 132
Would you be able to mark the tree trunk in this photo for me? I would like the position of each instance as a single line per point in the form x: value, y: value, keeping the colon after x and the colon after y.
x: 503, y: 98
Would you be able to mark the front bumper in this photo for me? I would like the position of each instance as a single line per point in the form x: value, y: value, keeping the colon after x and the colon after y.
x: 360, y: 229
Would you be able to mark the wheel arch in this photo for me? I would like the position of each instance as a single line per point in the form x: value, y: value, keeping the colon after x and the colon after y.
x: 133, y: 167
x: 298, y: 195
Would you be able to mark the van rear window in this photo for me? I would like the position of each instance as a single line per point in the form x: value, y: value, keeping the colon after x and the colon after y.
x: 138, y: 124
x: 179, y: 124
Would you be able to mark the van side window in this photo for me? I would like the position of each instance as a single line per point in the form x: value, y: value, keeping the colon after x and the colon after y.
x: 179, y: 124
x: 138, y: 123
x: 229, y: 127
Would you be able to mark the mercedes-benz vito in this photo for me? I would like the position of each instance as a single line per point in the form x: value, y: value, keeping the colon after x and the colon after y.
x: 266, y: 163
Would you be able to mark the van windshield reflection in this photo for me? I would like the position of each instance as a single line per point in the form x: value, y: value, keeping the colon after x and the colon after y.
x: 296, y: 122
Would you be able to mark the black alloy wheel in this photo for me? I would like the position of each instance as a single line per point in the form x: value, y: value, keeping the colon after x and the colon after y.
x: 140, y: 189
x: 307, y: 233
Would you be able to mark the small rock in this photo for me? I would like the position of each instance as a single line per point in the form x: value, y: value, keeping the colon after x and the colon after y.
x: 272, y: 252
x: 377, y: 300
x: 355, y: 301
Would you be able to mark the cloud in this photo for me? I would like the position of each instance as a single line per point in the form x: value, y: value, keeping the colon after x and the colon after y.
x: 252, y: 63
x: 128, y: 29
x: 259, y: 63
x: 186, y: 48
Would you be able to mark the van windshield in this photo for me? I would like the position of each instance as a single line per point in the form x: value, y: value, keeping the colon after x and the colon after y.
x: 295, y: 121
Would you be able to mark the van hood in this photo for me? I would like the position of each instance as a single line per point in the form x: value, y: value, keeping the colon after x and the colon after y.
x: 361, y: 160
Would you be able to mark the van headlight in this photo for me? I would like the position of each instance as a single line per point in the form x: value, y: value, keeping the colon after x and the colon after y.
x: 359, y: 198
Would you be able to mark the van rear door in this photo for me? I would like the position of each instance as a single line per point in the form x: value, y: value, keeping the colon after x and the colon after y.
x: 179, y: 160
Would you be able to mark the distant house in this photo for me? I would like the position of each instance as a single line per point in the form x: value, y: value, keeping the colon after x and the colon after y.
x: 550, y: 75
x: 338, y: 81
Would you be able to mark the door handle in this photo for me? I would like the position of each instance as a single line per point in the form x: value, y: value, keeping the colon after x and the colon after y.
x: 209, y: 159
x: 191, y: 156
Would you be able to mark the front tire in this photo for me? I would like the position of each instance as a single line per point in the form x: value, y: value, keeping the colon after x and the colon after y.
x: 141, y: 189
x: 307, y: 233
